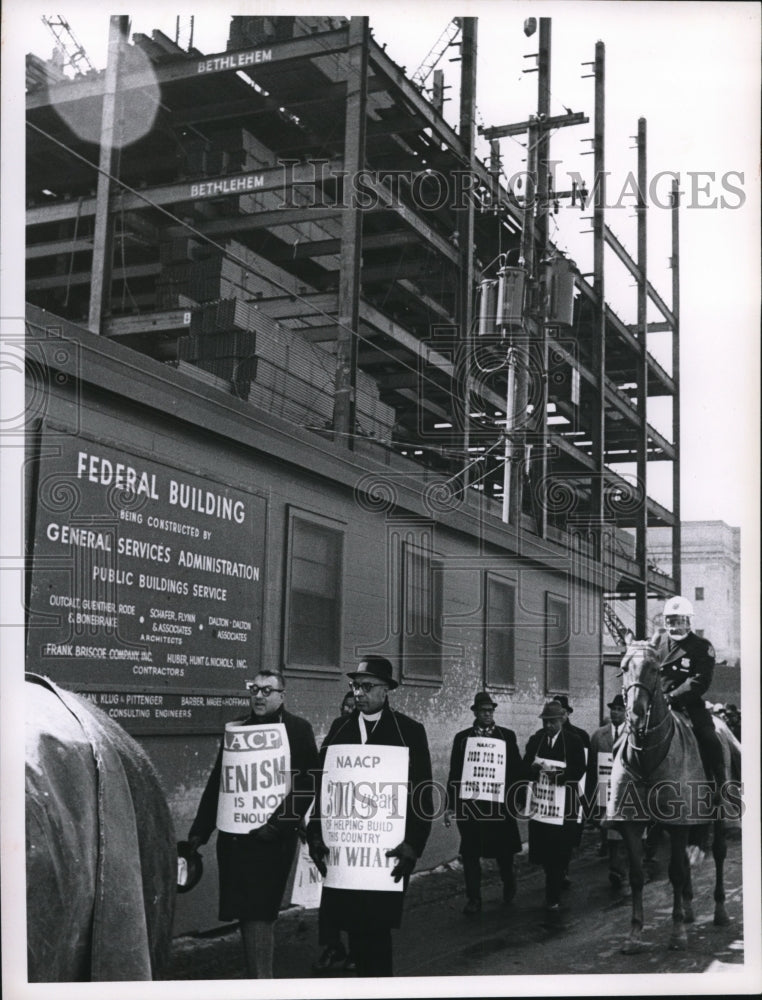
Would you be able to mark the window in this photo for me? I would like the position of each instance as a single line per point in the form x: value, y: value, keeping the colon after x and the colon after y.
x: 698, y: 594
x: 313, y: 593
x: 499, y: 638
x: 421, y: 615
x: 556, y: 643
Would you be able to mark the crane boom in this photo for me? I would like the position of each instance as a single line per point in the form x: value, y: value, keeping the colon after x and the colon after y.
x: 76, y: 57
x: 438, y: 49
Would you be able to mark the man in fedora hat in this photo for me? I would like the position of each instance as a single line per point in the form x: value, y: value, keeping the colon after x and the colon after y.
x: 555, y: 761
x: 563, y: 701
x: 369, y: 914
x: 603, y: 744
x: 484, y: 763
x: 583, y: 737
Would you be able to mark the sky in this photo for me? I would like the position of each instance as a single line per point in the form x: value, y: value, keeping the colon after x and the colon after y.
x: 692, y: 71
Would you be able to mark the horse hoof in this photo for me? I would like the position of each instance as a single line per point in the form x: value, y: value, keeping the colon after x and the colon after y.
x: 677, y: 944
x: 721, y: 918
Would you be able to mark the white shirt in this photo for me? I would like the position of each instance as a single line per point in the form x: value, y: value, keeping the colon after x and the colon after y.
x: 552, y: 739
x: 368, y: 718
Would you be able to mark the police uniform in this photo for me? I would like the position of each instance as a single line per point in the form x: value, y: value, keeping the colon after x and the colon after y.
x: 687, y: 667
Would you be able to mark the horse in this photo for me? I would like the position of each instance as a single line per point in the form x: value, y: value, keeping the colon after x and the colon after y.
x: 101, y: 861
x: 658, y: 775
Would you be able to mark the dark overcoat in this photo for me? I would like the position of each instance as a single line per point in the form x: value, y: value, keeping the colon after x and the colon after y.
x: 486, y: 829
x: 581, y: 735
x: 690, y: 657
x: 546, y: 839
x: 253, y: 872
x: 366, y: 910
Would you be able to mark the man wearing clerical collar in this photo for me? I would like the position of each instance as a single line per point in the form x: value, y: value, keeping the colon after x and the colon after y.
x: 370, y: 914
x: 484, y: 763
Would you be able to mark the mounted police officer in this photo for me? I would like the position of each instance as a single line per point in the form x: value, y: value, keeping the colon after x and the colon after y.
x: 687, y: 666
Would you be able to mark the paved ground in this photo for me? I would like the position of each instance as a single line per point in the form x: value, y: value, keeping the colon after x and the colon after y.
x: 438, y: 940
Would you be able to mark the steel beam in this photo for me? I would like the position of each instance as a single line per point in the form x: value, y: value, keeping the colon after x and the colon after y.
x: 199, y: 67
x: 356, y: 112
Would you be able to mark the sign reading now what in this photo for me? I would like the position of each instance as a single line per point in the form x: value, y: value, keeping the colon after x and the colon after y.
x: 364, y: 806
x: 255, y: 776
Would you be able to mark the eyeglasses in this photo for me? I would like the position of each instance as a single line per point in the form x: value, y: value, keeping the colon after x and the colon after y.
x: 365, y: 686
x: 256, y: 689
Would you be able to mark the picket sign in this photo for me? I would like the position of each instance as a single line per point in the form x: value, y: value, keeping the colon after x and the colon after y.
x: 547, y: 800
x: 363, y: 809
x: 255, y: 776
x: 581, y: 788
x: 483, y: 776
x: 308, y: 882
x: 605, y: 763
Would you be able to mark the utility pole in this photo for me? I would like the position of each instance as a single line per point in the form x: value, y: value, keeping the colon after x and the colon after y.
x: 641, y: 516
x: 351, y: 233
x: 534, y: 239
x: 676, y: 526
x: 465, y: 221
x: 543, y: 158
x: 598, y: 478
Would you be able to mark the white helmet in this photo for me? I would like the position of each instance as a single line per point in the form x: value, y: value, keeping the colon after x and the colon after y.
x: 678, y: 606
x: 677, y: 616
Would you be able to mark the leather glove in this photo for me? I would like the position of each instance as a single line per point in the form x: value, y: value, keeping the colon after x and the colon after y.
x: 267, y: 833
x: 194, y: 842
x: 407, y: 859
x: 318, y: 852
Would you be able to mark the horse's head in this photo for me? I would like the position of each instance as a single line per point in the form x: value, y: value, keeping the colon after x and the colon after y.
x: 639, y: 670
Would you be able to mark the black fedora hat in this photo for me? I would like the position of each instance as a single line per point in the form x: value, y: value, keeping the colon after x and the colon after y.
x: 374, y: 666
x: 563, y: 701
x: 616, y: 702
x: 552, y: 710
x: 481, y: 698
x: 190, y: 867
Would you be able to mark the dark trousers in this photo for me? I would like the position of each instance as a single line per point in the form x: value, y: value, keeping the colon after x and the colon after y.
x: 710, y: 747
x: 555, y: 867
x: 472, y: 873
x: 372, y: 951
x: 329, y: 934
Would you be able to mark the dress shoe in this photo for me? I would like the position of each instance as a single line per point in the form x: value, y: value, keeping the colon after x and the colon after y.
x: 331, y: 959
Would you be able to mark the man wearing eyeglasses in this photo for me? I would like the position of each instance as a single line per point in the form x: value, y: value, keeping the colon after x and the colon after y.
x: 370, y: 914
x: 255, y: 859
